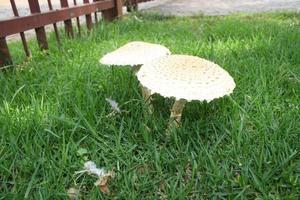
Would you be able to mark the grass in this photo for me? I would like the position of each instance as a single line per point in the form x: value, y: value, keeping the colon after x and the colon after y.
x: 53, y: 109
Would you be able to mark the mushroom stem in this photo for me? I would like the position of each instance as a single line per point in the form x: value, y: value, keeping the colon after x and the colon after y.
x: 145, y: 92
x: 147, y: 98
x: 136, y: 68
x: 176, y: 113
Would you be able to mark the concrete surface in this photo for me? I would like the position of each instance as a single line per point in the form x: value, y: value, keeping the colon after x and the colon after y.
x: 223, y: 7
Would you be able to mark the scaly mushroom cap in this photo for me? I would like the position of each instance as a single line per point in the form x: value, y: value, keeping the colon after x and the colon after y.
x: 186, y: 77
x: 135, y: 53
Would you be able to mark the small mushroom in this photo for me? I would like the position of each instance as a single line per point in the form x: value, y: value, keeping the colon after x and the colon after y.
x: 186, y: 78
x: 135, y: 54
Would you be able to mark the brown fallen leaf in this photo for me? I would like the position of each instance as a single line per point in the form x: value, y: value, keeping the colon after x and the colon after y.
x: 142, y: 169
x: 188, y: 173
x: 102, y: 182
x: 73, y: 193
x: 162, y: 191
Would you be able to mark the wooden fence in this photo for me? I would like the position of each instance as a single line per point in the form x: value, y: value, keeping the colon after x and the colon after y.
x: 110, y: 9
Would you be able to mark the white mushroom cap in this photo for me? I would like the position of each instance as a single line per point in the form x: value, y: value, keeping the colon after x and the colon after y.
x: 186, y: 77
x: 135, y: 53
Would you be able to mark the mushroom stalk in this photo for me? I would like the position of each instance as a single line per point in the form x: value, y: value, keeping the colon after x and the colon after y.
x: 176, y: 113
x: 136, y: 68
x: 145, y: 92
x: 113, y: 75
x: 147, y: 98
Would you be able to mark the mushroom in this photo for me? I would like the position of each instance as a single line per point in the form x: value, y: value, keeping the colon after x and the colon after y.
x: 186, y: 78
x: 135, y: 54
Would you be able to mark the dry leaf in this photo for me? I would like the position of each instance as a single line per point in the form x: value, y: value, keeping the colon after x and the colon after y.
x: 73, y: 193
x: 103, y: 177
x: 161, y: 190
x: 102, y: 182
x: 142, y: 169
x: 188, y: 173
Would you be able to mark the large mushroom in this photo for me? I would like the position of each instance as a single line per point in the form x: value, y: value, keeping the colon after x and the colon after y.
x: 186, y: 78
x: 135, y: 54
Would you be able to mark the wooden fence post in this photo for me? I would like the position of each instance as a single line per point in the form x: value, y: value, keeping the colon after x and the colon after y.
x: 114, y: 12
x: 96, y: 17
x: 68, y: 22
x: 88, y: 17
x: 16, y: 13
x: 5, y: 58
x: 54, y: 24
x: 40, y: 31
x: 77, y: 20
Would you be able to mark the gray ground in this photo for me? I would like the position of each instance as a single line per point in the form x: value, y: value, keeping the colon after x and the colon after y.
x: 223, y: 7
x: 170, y: 7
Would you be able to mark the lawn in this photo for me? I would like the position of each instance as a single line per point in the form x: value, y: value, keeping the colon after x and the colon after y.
x: 54, y: 116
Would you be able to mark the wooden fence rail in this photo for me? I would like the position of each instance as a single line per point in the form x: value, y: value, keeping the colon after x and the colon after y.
x: 110, y: 9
